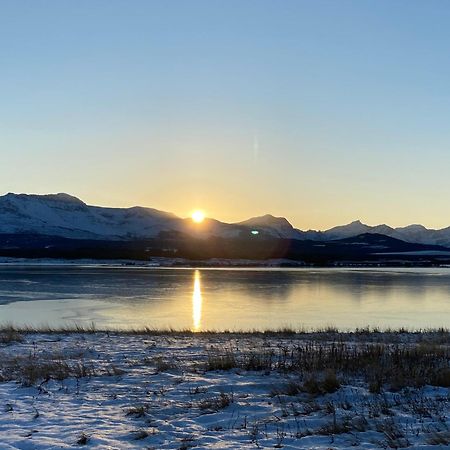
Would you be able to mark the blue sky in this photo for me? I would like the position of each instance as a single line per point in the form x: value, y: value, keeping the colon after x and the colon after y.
x: 320, y: 111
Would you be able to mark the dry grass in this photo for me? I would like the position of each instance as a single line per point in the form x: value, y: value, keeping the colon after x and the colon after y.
x: 83, y: 439
x: 38, y: 368
x: 439, y: 438
x: 314, y: 384
x: 216, y: 403
x: 322, y: 360
x: 427, y: 334
x: 10, y: 335
x: 137, y: 411
x: 28, y: 370
x: 394, y: 366
x: 163, y: 364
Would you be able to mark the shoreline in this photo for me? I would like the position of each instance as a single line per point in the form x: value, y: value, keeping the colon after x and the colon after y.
x: 286, y: 332
x: 177, y: 263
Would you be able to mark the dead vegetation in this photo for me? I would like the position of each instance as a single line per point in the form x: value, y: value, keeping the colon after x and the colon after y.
x: 83, y: 439
x: 439, y: 438
x: 32, y: 370
x: 374, y: 334
x: 321, y: 361
x: 163, y: 364
x: 39, y: 367
x: 314, y: 384
x: 319, y: 385
x: 137, y: 411
x: 216, y: 403
x: 10, y: 335
x: 380, y: 365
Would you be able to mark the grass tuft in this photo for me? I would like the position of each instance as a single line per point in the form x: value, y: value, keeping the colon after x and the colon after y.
x: 217, y: 403
x: 83, y: 439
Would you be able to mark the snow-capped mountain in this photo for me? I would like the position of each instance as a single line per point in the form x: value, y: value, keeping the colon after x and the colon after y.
x: 66, y: 216
x: 280, y: 227
x: 345, y: 231
x: 412, y: 233
x: 273, y: 226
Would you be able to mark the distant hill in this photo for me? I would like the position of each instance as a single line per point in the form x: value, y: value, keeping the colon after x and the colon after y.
x: 411, y: 233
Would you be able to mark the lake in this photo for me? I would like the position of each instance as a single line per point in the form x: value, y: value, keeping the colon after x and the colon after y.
x: 221, y: 299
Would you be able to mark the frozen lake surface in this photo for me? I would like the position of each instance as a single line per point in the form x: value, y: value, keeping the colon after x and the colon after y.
x: 221, y: 299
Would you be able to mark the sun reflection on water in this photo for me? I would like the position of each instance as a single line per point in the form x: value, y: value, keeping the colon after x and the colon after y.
x: 197, y: 303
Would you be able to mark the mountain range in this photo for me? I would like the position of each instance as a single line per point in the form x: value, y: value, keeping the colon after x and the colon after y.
x: 65, y: 216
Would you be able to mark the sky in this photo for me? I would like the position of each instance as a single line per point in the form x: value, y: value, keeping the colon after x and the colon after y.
x: 323, y: 112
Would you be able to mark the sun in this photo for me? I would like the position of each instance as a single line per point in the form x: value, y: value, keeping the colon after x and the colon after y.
x: 198, y: 216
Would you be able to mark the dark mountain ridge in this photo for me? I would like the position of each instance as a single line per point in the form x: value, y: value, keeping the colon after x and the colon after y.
x: 62, y: 226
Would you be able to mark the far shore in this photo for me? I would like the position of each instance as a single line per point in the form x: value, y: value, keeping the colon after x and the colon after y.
x: 179, y: 263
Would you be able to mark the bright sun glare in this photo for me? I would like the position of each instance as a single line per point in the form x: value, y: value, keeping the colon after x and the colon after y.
x: 198, y: 216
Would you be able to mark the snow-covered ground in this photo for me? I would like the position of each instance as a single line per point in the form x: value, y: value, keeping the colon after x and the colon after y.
x: 116, y: 390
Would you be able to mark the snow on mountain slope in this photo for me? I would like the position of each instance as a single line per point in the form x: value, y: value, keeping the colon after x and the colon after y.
x: 280, y: 227
x: 67, y: 216
x: 344, y: 231
x: 418, y: 233
x: 412, y: 233
x: 211, y: 227
x: 274, y: 226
